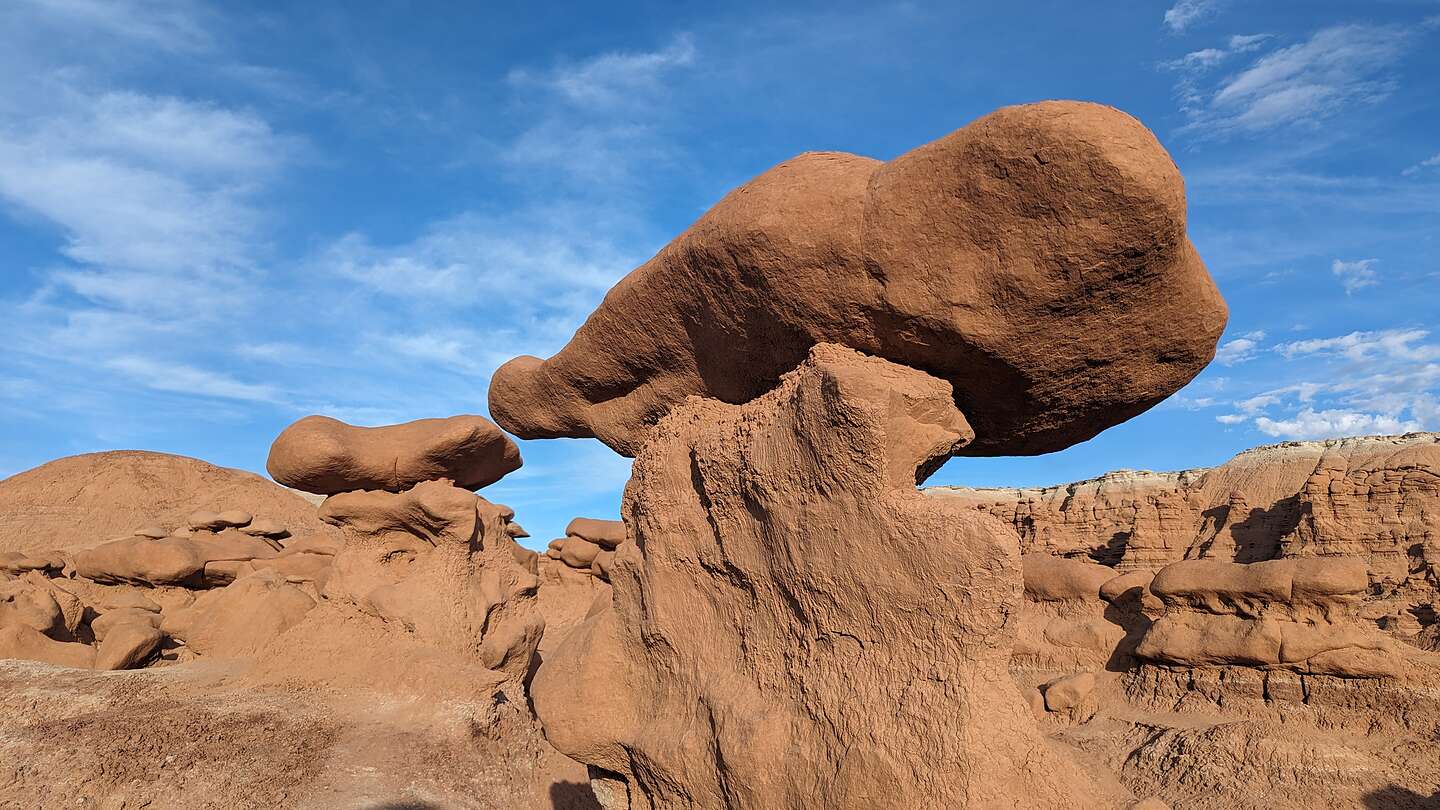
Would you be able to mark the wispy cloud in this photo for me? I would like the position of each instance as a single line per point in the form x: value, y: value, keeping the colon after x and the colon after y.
x: 611, y: 81
x: 167, y: 24
x: 1428, y: 163
x: 1186, y: 13
x: 179, y: 378
x: 1333, y: 70
x: 598, y: 117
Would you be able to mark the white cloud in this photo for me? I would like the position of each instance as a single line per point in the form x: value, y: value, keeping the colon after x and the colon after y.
x: 1355, y: 275
x: 1246, y: 347
x: 598, y: 118
x: 1313, y: 424
x: 1303, y: 83
x: 1231, y: 418
x: 612, y: 80
x: 1391, y: 344
x: 1427, y: 163
x: 1186, y: 13
x: 179, y: 378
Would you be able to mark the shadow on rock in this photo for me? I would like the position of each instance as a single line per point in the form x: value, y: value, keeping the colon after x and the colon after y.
x: 1398, y: 798
x: 573, y: 796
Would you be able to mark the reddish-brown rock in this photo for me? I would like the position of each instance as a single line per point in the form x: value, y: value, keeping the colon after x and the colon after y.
x: 1036, y: 259
x: 325, y: 456
x: 785, y: 582
x: 78, y: 501
x: 1376, y: 497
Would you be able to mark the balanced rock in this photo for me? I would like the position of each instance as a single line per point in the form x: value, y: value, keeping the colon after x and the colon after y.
x: 607, y: 534
x: 839, y: 641
x: 1035, y: 259
x: 325, y: 456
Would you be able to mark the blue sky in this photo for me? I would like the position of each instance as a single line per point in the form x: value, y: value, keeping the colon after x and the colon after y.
x: 219, y: 217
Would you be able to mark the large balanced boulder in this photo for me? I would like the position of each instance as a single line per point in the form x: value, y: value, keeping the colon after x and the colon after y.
x: 325, y: 456
x: 1036, y: 260
x: 795, y: 625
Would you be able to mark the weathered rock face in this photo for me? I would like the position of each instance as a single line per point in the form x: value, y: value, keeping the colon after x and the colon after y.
x: 1376, y: 497
x: 1035, y: 259
x: 785, y: 579
x: 1299, y: 615
x: 73, y: 502
x: 437, y: 560
x: 325, y: 456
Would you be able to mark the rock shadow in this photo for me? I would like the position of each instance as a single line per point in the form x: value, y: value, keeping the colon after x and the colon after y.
x: 573, y: 796
x: 1399, y: 798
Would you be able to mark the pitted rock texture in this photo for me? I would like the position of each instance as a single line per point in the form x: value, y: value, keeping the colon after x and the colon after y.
x: 784, y: 579
x: 74, y: 502
x: 326, y: 456
x: 1035, y: 259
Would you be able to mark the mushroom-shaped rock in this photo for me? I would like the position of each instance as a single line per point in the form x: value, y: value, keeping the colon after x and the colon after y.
x: 858, y: 662
x: 326, y: 456
x: 1036, y: 260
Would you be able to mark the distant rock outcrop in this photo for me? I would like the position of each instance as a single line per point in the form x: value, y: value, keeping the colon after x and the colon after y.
x: 1375, y: 497
x: 1036, y: 260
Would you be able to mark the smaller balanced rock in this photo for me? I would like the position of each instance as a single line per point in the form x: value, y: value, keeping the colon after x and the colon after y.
x: 326, y: 456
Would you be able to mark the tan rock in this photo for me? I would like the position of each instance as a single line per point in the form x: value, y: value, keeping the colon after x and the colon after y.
x: 265, y: 527
x: 1052, y: 579
x: 235, y: 518
x: 76, y: 502
x: 437, y: 560
x: 1068, y: 691
x: 128, y: 645
x: 744, y: 669
x: 24, y: 604
x: 326, y: 456
x: 27, y: 643
x: 608, y: 534
x: 238, y: 621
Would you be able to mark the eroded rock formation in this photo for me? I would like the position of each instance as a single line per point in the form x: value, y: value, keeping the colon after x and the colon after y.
x: 1035, y: 259
x: 785, y: 579
x: 325, y: 456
